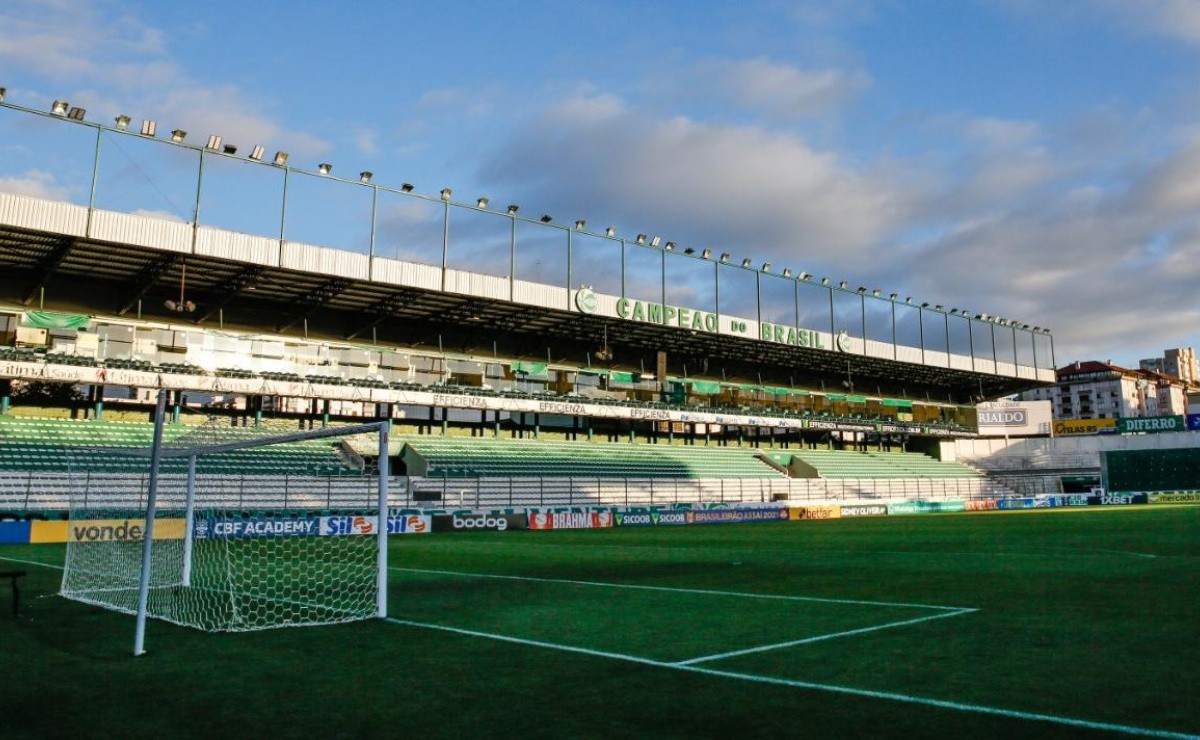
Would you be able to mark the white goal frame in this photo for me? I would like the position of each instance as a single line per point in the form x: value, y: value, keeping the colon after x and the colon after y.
x: 158, y: 453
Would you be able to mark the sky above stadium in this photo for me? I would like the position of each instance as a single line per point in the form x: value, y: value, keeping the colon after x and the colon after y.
x: 1035, y: 160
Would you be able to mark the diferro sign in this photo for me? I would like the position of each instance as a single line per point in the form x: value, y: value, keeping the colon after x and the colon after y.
x: 1151, y: 424
x: 1066, y: 427
x: 696, y: 320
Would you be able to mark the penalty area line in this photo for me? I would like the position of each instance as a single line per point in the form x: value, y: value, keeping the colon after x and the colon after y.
x: 812, y: 686
x: 820, y: 638
x: 681, y: 590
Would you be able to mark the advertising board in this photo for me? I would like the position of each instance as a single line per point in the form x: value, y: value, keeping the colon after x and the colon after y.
x: 1072, y: 427
x: 799, y: 513
x: 570, y: 519
x: 1014, y: 418
x: 1150, y: 424
x: 479, y: 522
x: 650, y: 517
x: 851, y: 510
x: 1174, y: 497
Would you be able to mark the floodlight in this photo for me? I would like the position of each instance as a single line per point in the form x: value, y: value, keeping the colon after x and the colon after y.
x: 787, y: 272
x: 939, y: 307
x: 178, y: 135
x: 745, y: 262
x: 654, y: 242
x: 546, y: 218
x: 766, y: 267
x: 149, y: 127
x: 670, y: 246
x: 3, y: 92
x: 825, y: 281
x: 610, y: 231
x: 325, y: 168
x: 214, y: 142
x: 725, y: 257
x: 406, y: 187
x: 76, y: 114
x: 580, y: 224
x: 59, y: 107
x: 706, y: 254
x: 256, y: 153
x: 365, y: 176
x: 861, y: 290
x: 481, y: 202
x: 281, y: 159
x: 689, y: 250
x: 892, y: 296
x: 843, y: 285
x: 123, y: 122
x: 806, y: 276
x: 641, y: 239
x: 229, y: 149
x: 446, y: 193
x: 513, y: 208
x: 924, y: 305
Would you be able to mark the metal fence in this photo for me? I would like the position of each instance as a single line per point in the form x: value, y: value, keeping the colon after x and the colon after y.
x: 22, y: 492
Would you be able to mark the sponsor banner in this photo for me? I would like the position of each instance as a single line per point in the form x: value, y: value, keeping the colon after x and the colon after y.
x: 1045, y: 501
x: 1170, y: 497
x: 570, y: 519
x: 864, y: 510
x: 1150, y: 424
x: 1014, y: 418
x: 340, y: 525
x: 739, y: 514
x: 799, y: 513
x: 237, y: 528
x: 982, y: 504
x: 1121, y: 499
x: 926, y: 507
x: 1193, y: 422
x: 103, y: 530
x: 478, y: 522
x: 651, y: 518
x: 15, y: 532
x: 1068, y: 427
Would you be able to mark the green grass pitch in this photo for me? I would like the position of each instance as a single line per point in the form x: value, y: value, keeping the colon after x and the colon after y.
x: 1058, y: 623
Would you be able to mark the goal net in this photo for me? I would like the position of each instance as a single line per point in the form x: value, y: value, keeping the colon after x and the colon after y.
x: 251, y: 528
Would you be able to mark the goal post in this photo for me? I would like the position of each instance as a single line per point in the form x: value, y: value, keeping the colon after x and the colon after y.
x: 226, y: 528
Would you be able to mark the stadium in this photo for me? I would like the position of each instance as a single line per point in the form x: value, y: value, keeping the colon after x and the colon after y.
x: 231, y: 387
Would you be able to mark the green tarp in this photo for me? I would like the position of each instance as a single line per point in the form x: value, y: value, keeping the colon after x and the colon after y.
x: 620, y: 376
x: 896, y: 403
x: 705, y: 387
x: 52, y: 320
x: 856, y: 399
x: 835, y: 396
x: 529, y: 368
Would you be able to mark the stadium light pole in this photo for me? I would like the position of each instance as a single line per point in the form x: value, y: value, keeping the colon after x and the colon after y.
x: 139, y: 636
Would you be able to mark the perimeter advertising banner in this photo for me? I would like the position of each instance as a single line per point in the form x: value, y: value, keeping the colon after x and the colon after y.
x: 739, y: 514
x: 570, y: 519
x: 479, y: 522
x: 850, y: 510
x: 1175, y: 497
x: 1070, y: 427
x: 1193, y: 422
x: 651, y: 517
x: 801, y: 513
x: 925, y: 507
x: 103, y: 530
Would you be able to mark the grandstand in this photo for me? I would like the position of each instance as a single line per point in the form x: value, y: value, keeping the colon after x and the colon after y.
x: 503, y: 348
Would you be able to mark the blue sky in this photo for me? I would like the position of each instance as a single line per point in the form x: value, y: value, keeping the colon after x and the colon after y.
x: 1038, y: 160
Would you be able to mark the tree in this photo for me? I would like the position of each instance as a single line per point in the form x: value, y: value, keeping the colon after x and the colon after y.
x: 37, y: 393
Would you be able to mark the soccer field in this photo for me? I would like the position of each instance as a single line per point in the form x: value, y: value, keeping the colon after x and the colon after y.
x: 1039, y: 624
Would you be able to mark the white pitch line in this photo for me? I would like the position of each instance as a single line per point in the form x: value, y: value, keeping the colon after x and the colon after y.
x: 829, y: 688
x: 674, y: 589
x: 31, y: 562
x: 820, y: 638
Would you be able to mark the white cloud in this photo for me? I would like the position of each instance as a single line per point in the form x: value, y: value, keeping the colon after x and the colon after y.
x: 34, y: 183
x: 111, y: 62
x: 780, y: 89
x: 700, y: 183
